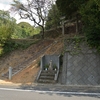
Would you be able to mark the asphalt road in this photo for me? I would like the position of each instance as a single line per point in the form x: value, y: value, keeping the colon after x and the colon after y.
x: 18, y: 94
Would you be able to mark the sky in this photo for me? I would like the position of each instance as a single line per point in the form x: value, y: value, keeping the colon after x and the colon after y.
x: 5, y: 5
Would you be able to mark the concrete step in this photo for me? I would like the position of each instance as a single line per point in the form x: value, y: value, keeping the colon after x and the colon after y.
x: 48, y: 71
x: 47, y: 74
x: 46, y: 81
x: 47, y: 77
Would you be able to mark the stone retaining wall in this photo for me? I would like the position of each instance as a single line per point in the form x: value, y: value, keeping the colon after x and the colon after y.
x: 82, y: 68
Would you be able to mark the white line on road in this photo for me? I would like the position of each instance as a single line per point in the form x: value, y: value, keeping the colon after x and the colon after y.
x: 53, y: 92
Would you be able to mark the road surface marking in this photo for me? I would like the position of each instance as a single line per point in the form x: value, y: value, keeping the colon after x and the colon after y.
x: 53, y: 92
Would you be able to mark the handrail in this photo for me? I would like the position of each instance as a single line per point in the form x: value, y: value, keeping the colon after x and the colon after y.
x: 57, y: 74
x: 38, y: 75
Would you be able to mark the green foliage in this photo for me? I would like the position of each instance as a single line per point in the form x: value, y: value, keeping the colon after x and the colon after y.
x: 7, y: 25
x: 1, y: 50
x: 5, y: 33
x: 54, y: 67
x: 74, y: 45
x: 89, y: 11
x: 12, y: 45
x: 35, y: 11
x: 53, y: 19
x: 69, y: 8
x: 90, y: 16
x: 36, y: 30
x: 17, y: 33
x: 9, y: 29
x: 26, y: 26
x: 24, y: 30
x: 46, y: 66
x: 77, y: 42
x: 6, y: 28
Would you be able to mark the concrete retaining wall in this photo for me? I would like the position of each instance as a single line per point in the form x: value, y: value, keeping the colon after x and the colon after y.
x: 82, y: 68
x: 47, y: 58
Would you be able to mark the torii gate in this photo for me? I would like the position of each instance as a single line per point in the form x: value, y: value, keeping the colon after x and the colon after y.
x: 67, y: 21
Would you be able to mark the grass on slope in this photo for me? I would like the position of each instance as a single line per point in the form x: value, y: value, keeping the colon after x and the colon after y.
x: 14, y: 45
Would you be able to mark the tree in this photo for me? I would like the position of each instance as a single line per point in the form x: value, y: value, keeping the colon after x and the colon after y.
x: 27, y: 29
x: 24, y: 30
x: 70, y: 9
x: 90, y: 16
x: 6, y: 26
x: 34, y: 10
x: 53, y: 18
x: 17, y: 32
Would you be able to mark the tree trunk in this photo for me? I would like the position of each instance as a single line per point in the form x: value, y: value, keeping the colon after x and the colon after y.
x: 42, y: 33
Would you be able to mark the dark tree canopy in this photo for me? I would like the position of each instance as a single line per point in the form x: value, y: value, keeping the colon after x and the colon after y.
x: 91, y: 17
x: 89, y: 12
x: 53, y: 18
x: 69, y: 8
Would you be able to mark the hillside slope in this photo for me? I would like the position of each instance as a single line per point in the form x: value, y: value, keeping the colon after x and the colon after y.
x: 28, y: 75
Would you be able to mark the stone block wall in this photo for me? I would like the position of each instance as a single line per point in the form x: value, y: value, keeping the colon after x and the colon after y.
x: 82, y: 68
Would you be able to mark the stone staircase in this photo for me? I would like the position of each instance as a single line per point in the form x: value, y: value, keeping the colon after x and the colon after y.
x: 47, y: 76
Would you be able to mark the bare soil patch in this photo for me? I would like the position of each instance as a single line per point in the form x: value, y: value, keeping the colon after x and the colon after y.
x: 28, y: 75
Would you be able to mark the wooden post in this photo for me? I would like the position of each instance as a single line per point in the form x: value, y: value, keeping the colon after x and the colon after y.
x: 63, y: 28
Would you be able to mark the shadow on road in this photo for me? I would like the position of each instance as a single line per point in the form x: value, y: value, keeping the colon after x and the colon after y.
x: 60, y: 90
